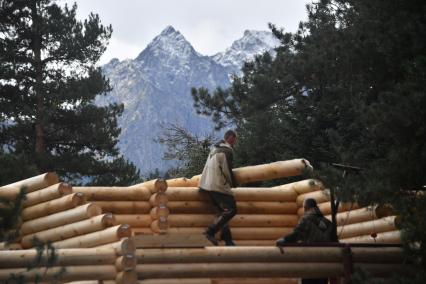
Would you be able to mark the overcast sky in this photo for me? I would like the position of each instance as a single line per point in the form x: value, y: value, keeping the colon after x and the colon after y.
x: 209, y: 25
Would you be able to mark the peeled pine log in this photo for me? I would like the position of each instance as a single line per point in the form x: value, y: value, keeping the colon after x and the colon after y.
x: 158, y: 212
x: 142, y: 231
x: 98, y: 238
x: 303, y: 186
x: 124, y: 207
x: 183, y: 270
x: 233, y: 280
x: 133, y: 220
x: 70, y: 230
x: 240, y: 220
x: 160, y: 226
x: 355, y: 216
x: 366, y: 228
x: 126, y: 262
x: 182, y: 182
x: 115, y: 193
x: 270, y: 171
x: 31, y: 184
x: 126, y: 277
x: 243, y: 207
x: 238, y: 254
x: 61, y: 218
x: 122, y: 247
x: 48, y: 193
x: 63, y: 257
x: 10, y: 246
x: 391, y: 237
x: 158, y: 199
x: 248, y: 233
x: 377, y: 254
x: 326, y: 208
x: 257, y: 243
x: 240, y: 193
x: 320, y: 196
x: 156, y: 185
x: 62, y: 273
x: 53, y: 206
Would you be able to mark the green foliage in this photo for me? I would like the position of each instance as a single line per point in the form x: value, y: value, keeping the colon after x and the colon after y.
x: 347, y: 88
x: 190, y: 151
x: 48, y: 83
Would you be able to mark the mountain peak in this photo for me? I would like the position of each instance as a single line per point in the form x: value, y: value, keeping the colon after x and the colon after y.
x: 169, y: 43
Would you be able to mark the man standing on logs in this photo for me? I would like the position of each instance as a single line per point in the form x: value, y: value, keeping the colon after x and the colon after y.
x: 217, y: 180
x: 313, y: 227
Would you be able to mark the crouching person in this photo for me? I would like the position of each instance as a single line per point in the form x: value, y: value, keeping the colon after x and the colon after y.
x: 313, y: 227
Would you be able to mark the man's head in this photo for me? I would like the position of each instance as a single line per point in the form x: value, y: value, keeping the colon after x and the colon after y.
x: 230, y: 137
x: 309, y: 203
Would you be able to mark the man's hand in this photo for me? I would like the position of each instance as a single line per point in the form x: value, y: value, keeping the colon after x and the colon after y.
x: 280, y: 242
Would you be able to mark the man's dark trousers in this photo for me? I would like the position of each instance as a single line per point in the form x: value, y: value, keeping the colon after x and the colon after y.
x: 227, y: 208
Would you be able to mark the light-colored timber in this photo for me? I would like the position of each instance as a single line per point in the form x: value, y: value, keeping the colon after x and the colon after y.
x: 63, y: 257
x: 46, y: 194
x: 270, y: 171
x: 247, y: 233
x: 244, y: 207
x: 67, y: 273
x: 385, y: 224
x: 183, y: 270
x: 355, y: 216
x: 126, y: 262
x: 160, y: 226
x: 70, y: 230
x: 134, y: 220
x: 156, y: 185
x: 30, y: 184
x: 98, y: 238
x: 325, y: 208
x: 53, y: 206
x: 320, y: 196
x: 240, y: 220
x: 171, y: 241
x: 159, y: 211
x: 240, y: 254
x: 158, y: 199
x: 61, y: 218
x: 102, y: 193
x: 391, y: 237
x: 122, y: 247
x: 233, y: 280
x: 124, y: 207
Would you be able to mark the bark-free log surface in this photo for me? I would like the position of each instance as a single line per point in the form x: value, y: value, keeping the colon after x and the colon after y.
x: 98, y: 238
x: 159, y: 211
x: 134, y: 220
x: 320, y: 196
x: 123, y: 246
x: 48, y: 193
x: 102, y: 193
x: 31, y: 184
x: 240, y: 220
x: 355, y: 216
x: 156, y: 185
x: 160, y: 226
x: 248, y: 233
x: 126, y: 262
x: 308, y: 270
x: 63, y: 273
x: 392, y: 237
x: 124, y: 207
x: 233, y: 280
x: 243, y: 207
x: 61, y: 218
x: 63, y: 257
x: 326, y: 208
x: 53, y: 206
x: 270, y: 171
x: 241, y: 194
x: 71, y: 230
x: 158, y: 199
x: 240, y: 254
x: 366, y: 228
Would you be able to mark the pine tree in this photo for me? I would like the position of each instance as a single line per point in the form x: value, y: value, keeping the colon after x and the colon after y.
x: 49, y: 80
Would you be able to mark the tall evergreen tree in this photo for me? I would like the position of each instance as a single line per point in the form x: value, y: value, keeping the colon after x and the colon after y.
x: 48, y: 82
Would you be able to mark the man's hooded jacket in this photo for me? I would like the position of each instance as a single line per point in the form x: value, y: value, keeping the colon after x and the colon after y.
x: 217, y: 173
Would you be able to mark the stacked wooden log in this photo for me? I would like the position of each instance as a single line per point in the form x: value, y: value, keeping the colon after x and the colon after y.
x: 355, y: 224
x: 264, y: 214
x: 253, y: 264
x: 115, y: 262
x: 142, y: 207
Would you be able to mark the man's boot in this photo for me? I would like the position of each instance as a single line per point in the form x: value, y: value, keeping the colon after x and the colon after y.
x: 226, y: 236
x: 209, y: 234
